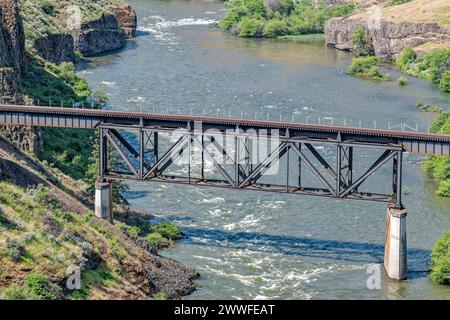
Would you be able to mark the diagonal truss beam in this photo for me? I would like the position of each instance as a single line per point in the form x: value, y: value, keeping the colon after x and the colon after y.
x: 174, y: 149
x: 385, y: 157
x: 322, y: 161
x: 264, y: 164
x: 120, y: 151
x: 216, y: 164
x: 316, y: 172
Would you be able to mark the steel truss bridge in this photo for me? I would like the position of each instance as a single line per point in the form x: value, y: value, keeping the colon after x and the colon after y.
x: 144, y: 157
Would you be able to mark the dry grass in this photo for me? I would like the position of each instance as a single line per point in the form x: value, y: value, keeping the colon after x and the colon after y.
x: 418, y: 11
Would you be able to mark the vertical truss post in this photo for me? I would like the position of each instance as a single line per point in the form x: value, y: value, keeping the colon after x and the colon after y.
x: 155, y: 146
x: 288, y: 149
x: 350, y: 166
x: 300, y: 167
x: 103, y: 157
x: 236, y: 157
x: 339, y: 170
x: 203, y: 157
x: 141, y: 153
x: 397, y: 179
x: 189, y: 127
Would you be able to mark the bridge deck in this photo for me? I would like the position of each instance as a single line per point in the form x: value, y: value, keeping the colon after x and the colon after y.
x: 415, y: 142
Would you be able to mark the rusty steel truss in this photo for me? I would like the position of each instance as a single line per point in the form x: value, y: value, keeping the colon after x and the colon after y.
x: 144, y: 157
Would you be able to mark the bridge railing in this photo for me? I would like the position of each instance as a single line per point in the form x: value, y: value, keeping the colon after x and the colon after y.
x: 302, y: 117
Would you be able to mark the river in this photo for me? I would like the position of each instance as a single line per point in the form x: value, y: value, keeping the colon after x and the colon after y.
x: 250, y: 245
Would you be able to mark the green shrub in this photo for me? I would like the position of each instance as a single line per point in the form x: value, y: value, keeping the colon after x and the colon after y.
x: 440, y: 260
x: 15, y: 250
x: 439, y: 167
x: 132, y: 231
x: 157, y: 240
x: 286, y: 7
x: 362, y: 65
x: 168, y: 230
x: 362, y: 42
x: 15, y: 292
x: 444, y: 189
x: 41, y: 286
x: 230, y: 20
x: 402, y: 81
x: 251, y: 28
x: 407, y: 57
x: 275, y: 28
x: 256, y: 7
x: 444, y: 81
x: 365, y: 67
x: 160, y: 296
x: 396, y: 2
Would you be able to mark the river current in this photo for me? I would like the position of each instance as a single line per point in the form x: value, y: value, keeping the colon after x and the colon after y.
x: 249, y: 245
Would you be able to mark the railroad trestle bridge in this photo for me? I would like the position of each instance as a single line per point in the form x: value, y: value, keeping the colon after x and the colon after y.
x: 241, y: 154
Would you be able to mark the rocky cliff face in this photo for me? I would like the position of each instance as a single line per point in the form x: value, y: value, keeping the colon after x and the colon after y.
x: 390, y: 30
x: 99, y: 36
x: 12, y: 50
x: 56, y: 48
x: 389, y: 39
x: 12, y: 62
x: 127, y: 19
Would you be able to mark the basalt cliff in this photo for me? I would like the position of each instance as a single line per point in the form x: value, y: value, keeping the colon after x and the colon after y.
x: 421, y: 24
x: 59, y: 30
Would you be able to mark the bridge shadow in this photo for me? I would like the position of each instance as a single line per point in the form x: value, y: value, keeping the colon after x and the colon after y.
x: 350, y: 251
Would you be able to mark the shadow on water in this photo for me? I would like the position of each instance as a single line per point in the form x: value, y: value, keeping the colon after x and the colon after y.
x: 141, y: 33
x: 357, y: 252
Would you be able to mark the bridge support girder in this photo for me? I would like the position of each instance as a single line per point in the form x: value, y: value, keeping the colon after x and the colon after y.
x: 395, y: 254
x: 103, y: 200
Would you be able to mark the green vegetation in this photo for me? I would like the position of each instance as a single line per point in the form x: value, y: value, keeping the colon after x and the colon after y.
x: 157, y: 240
x: 438, y: 167
x: 41, y: 286
x: 396, y: 2
x: 163, y: 234
x: 48, y: 238
x: 45, y: 81
x: 15, y: 292
x: 253, y: 18
x: 433, y: 66
x: 428, y: 108
x: 160, y: 296
x: 440, y: 260
x: 168, y: 230
x: 44, y: 16
x: 402, y: 81
x: 100, y: 277
x: 366, y: 68
x: 362, y: 42
x: 160, y: 235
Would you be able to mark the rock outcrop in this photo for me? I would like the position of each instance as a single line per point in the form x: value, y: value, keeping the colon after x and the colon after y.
x: 56, y: 48
x: 99, y: 36
x: 12, y: 50
x: 12, y: 63
x: 127, y: 19
x: 389, y: 39
x: 392, y: 29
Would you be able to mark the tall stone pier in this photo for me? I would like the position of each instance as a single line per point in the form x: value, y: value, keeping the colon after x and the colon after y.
x: 395, y: 255
x: 103, y: 200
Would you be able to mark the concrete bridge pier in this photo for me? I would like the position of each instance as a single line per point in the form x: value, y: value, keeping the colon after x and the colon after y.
x: 103, y: 200
x: 395, y: 255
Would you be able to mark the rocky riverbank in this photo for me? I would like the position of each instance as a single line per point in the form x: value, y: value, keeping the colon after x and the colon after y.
x: 422, y: 24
